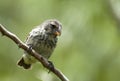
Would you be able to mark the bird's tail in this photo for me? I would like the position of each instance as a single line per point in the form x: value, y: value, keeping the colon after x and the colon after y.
x: 22, y: 63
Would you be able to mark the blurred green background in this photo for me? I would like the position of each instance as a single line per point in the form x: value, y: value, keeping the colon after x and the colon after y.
x: 88, y: 49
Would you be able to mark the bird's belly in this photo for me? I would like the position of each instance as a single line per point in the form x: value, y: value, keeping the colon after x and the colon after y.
x: 43, y: 48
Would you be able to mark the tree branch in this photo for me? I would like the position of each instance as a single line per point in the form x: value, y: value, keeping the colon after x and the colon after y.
x: 32, y: 52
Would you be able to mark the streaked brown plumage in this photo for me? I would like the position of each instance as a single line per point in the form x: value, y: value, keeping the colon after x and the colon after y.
x: 42, y: 39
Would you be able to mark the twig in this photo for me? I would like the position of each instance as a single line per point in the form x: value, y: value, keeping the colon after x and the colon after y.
x: 32, y: 52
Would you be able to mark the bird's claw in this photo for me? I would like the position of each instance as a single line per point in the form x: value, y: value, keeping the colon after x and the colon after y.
x: 51, y: 66
x: 30, y: 48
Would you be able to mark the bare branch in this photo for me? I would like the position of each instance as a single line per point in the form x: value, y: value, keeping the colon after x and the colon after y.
x: 32, y: 52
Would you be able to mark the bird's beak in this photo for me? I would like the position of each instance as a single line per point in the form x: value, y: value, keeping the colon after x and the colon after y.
x: 57, y: 33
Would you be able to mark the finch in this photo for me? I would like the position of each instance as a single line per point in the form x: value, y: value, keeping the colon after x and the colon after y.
x: 42, y: 39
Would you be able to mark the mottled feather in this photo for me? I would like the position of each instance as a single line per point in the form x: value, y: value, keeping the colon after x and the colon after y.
x: 42, y: 39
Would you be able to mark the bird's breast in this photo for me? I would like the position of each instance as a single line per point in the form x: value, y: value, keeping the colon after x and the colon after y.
x: 45, y: 46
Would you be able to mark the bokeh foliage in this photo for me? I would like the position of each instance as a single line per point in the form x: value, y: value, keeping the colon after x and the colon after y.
x: 88, y: 49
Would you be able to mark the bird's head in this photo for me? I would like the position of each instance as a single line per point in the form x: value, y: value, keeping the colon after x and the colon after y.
x: 52, y: 27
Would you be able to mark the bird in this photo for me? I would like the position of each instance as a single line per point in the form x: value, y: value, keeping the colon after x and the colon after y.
x: 43, y: 39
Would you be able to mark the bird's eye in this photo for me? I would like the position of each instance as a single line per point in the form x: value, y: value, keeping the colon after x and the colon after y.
x: 53, y: 26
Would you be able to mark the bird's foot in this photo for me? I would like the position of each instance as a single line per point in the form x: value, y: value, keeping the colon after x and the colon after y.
x: 51, y: 66
x: 30, y: 48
